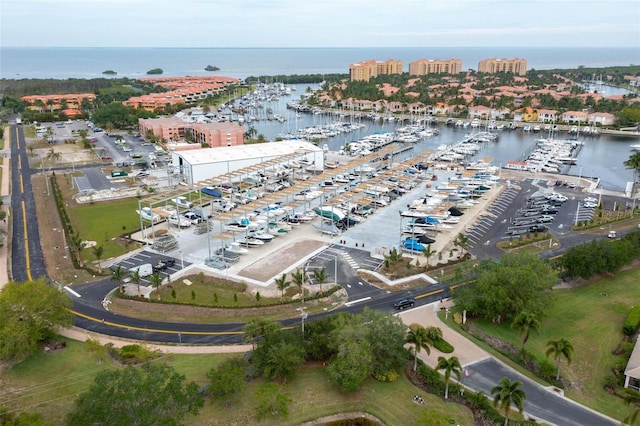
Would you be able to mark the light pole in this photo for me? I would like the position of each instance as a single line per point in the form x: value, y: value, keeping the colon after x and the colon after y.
x: 335, y: 270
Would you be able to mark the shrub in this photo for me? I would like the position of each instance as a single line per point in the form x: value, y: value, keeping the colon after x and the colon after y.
x: 387, y: 377
x: 547, y: 369
x: 443, y: 346
x: 431, y: 378
x: 632, y: 321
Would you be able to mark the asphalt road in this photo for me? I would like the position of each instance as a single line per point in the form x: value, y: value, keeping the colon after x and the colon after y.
x: 541, y: 403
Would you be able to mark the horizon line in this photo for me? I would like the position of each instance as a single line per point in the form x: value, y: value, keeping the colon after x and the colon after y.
x: 317, y: 47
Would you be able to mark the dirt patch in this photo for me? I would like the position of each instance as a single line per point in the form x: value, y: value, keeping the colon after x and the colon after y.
x: 272, y: 265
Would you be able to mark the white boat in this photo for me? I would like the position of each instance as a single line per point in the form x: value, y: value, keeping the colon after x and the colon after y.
x: 146, y: 214
x: 262, y: 236
x: 635, y: 146
x: 236, y: 248
x: 250, y: 242
x: 179, y: 221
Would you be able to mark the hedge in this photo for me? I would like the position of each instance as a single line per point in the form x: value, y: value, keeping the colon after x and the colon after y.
x: 443, y: 346
x: 632, y: 321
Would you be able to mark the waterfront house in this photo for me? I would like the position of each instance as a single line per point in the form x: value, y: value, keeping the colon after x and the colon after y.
x: 442, y: 108
x: 479, y: 111
x: 602, y: 118
x: 525, y: 114
x: 574, y: 117
x: 547, y: 115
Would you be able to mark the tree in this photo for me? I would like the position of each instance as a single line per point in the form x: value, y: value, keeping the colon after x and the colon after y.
x: 53, y: 155
x: 283, y: 359
x: 8, y: 418
x: 30, y: 313
x: 386, y: 335
x: 83, y: 135
x: 417, y: 336
x: 154, y: 394
x: 98, y: 252
x: 428, y: 252
x: 227, y: 381
x: 119, y: 138
x: 351, y: 365
x: 49, y: 134
x: 78, y: 245
x: 258, y: 327
x: 282, y: 284
x: 136, y: 278
x: 251, y: 133
x: 633, y: 163
x: 507, y: 393
x: 320, y: 275
x: 519, y: 282
x: 118, y: 275
x: 526, y: 322
x: 156, y: 281
x: 461, y: 241
x: 449, y: 365
x: 632, y: 397
x: 272, y: 400
x: 299, y: 278
x: 559, y: 349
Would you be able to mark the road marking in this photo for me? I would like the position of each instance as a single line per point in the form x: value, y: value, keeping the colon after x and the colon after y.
x: 21, y: 185
x: 26, y: 238
x: 357, y: 301
x: 151, y: 330
x: 75, y: 293
x: 429, y: 294
x: 19, y: 162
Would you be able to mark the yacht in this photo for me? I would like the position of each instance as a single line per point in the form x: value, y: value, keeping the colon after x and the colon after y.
x: 146, y: 214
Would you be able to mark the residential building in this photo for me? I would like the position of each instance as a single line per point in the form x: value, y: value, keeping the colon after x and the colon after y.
x: 435, y: 66
x: 364, y: 71
x: 479, y: 111
x: 601, y: 118
x: 217, y: 134
x: 547, y: 115
x: 525, y: 114
x: 574, y: 117
x: 515, y: 66
x: 167, y: 128
x: 50, y: 103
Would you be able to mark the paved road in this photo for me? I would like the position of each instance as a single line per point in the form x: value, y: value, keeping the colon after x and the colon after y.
x: 540, y: 403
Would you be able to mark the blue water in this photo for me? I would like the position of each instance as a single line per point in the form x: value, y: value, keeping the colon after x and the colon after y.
x: 21, y: 62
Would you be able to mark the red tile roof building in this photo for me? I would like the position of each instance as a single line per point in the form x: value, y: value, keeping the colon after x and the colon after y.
x: 435, y: 66
x: 364, y: 71
x: 71, y: 101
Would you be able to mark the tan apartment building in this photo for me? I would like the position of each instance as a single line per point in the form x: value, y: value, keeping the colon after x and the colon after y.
x: 217, y: 134
x: 364, y: 71
x: 435, y: 66
x: 167, y: 128
x: 515, y: 66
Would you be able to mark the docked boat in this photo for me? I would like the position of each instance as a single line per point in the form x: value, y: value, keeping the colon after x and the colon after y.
x: 211, y: 191
x: 330, y: 212
x: 327, y: 227
x: 261, y: 235
x: 236, y: 248
x: 147, y: 214
x: 250, y: 242
x: 179, y: 221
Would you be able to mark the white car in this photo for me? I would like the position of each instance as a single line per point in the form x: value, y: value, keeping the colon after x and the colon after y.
x: 590, y: 200
x: 182, y: 202
x: 589, y: 204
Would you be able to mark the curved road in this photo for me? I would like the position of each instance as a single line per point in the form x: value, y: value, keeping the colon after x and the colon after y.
x: 27, y: 263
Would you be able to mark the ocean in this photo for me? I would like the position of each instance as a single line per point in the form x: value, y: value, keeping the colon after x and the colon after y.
x: 72, y: 62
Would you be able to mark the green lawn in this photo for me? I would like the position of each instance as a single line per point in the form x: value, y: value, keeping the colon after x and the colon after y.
x: 49, y: 384
x: 591, y: 318
x: 102, y: 222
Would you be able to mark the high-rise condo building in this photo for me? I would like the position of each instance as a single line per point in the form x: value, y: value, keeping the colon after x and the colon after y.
x: 493, y: 65
x: 435, y: 66
x: 364, y: 71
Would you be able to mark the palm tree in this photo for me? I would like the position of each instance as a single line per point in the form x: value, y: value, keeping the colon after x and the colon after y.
x: 118, y: 275
x: 299, y: 278
x: 428, y: 252
x: 135, y: 277
x: 632, y: 397
x: 156, y: 281
x: 78, y: 245
x: 526, y: 322
x: 449, y: 365
x: 251, y: 133
x: 98, y: 251
x: 507, y: 393
x: 119, y: 138
x: 320, y: 275
x: 83, y: 135
x: 559, y: 349
x: 633, y: 163
x: 282, y: 284
x: 461, y: 241
x: 53, y: 155
x: 417, y: 336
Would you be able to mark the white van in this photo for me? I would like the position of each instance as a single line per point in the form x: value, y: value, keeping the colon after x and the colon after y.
x: 144, y: 270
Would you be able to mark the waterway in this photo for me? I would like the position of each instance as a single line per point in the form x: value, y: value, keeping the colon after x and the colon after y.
x: 601, y: 156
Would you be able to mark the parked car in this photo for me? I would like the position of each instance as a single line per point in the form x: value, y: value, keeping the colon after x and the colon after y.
x: 545, y: 219
x: 538, y: 228
x: 550, y: 210
x: 589, y: 205
x: 404, y: 303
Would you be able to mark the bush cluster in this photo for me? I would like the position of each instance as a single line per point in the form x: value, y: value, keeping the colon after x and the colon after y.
x: 632, y: 321
x: 131, y: 354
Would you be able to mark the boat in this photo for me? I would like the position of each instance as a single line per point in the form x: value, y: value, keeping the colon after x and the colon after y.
x: 236, y: 248
x: 250, y: 242
x: 261, y: 235
x: 327, y: 227
x: 635, y: 146
x: 147, y: 214
x: 330, y: 212
x: 235, y: 227
x: 179, y: 221
x: 211, y: 191
x: 299, y: 218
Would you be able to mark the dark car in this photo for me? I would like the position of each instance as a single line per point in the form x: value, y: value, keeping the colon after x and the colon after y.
x: 538, y: 228
x: 404, y: 303
x: 550, y: 210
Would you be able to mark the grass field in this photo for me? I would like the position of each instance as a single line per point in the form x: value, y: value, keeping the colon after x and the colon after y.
x: 591, y: 318
x: 49, y: 384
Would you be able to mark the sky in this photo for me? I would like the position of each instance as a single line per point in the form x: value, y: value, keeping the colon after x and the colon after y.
x: 319, y: 23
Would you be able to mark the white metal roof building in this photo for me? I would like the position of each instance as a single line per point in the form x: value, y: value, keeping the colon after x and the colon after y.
x: 201, y: 164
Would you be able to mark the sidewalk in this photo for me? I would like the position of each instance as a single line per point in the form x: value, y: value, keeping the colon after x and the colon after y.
x: 466, y: 351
